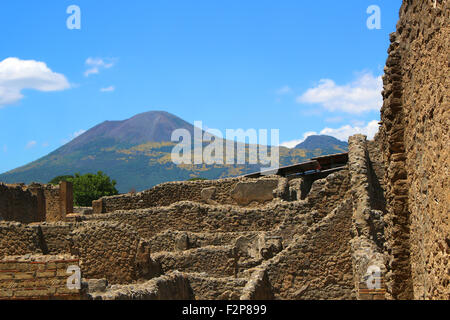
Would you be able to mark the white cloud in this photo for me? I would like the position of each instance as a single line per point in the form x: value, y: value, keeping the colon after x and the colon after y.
x: 284, y: 90
x: 293, y: 143
x: 31, y: 144
x: 343, y: 133
x: 96, y: 64
x: 5, y: 148
x: 361, y: 95
x: 17, y: 75
x: 108, y: 89
x: 45, y: 144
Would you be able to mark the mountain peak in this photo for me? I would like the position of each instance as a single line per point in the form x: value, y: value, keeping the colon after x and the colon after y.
x: 109, y: 147
x: 151, y: 126
x: 322, y: 142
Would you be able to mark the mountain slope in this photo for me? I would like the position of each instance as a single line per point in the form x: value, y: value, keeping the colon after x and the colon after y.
x: 137, y: 154
x: 153, y: 126
x: 326, y: 144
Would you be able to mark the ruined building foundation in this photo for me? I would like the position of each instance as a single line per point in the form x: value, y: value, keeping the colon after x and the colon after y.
x: 375, y: 228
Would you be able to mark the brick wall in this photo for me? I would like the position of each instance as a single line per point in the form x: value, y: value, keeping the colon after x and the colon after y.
x: 37, y: 278
x: 18, y: 239
x: 415, y: 132
x: 18, y: 204
x: 35, y: 202
x: 59, y: 201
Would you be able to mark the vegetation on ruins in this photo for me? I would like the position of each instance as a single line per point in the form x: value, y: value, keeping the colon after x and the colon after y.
x: 55, y: 181
x: 89, y: 187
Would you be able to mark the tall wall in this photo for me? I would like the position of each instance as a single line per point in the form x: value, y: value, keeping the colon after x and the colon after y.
x: 368, y: 243
x: 59, y: 201
x: 35, y: 202
x: 18, y: 204
x: 416, y: 133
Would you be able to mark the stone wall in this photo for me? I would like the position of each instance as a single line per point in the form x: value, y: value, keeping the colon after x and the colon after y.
x: 55, y: 237
x: 37, y: 278
x: 258, y: 287
x: 18, y: 204
x: 318, y: 264
x: 225, y: 192
x: 112, y: 251
x: 171, y: 240
x: 368, y: 256
x: 415, y: 133
x: 220, y: 261
x: 174, y: 286
x: 196, y: 217
x: 211, y: 288
x: 18, y: 239
x: 327, y: 193
x: 58, y: 201
x: 35, y: 202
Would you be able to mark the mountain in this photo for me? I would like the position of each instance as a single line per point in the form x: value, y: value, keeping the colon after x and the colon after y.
x: 153, y: 126
x: 137, y: 153
x: 326, y: 144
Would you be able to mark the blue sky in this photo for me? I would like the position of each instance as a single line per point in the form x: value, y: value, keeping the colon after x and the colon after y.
x: 299, y: 66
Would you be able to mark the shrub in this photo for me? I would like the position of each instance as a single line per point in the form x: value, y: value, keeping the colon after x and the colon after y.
x: 89, y: 187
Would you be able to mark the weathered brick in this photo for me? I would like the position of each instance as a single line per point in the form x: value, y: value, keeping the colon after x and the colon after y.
x: 45, y: 274
x: 6, y: 276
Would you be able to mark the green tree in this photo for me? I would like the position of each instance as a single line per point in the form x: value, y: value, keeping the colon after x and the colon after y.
x: 55, y: 181
x: 90, y: 187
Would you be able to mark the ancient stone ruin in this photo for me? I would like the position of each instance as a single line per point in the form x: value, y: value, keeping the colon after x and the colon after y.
x: 374, y: 226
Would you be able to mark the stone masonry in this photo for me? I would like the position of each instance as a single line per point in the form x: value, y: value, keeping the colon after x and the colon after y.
x: 377, y: 228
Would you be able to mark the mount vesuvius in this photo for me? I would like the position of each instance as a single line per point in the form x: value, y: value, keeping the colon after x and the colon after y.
x: 137, y: 153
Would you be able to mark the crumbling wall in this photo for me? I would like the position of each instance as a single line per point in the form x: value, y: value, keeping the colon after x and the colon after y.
x: 18, y: 239
x: 196, y: 217
x: 58, y: 201
x: 55, y: 237
x: 369, y: 259
x: 43, y: 238
x: 171, y: 240
x: 210, y: 288
x: 35, y: 202
x: 258, y: 287
x: 18, y: 204
x: 112, y: 251
x: 174, y: 286
x: 318, y: 264
x: 219, y: 261
x: 415, y: 134
x: 214, y: 192
x: 327, y: 193
x: 37, y: 277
